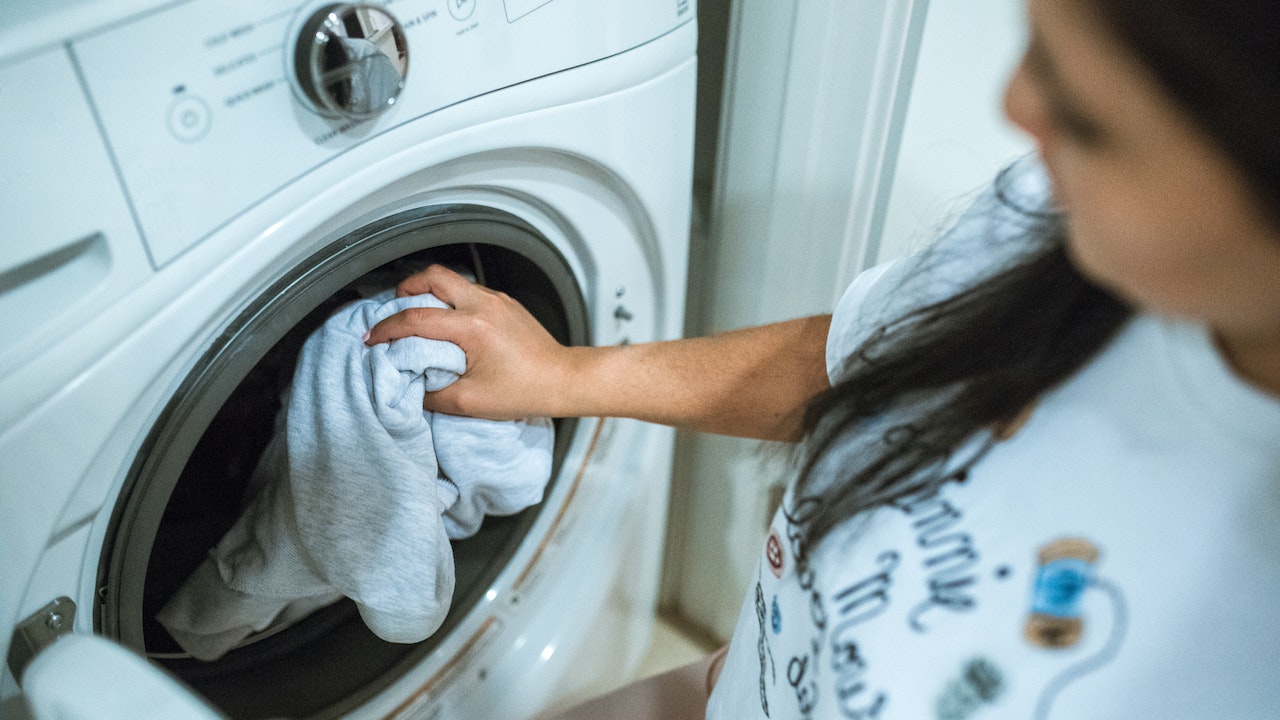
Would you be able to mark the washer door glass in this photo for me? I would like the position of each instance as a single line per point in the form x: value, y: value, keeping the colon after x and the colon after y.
x: 188, y: 484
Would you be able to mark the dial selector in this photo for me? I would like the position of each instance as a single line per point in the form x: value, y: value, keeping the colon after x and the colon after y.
x: 351, y: 60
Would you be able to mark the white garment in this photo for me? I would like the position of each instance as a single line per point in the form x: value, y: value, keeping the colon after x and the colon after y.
x: 361, y: 491
x: 82, y: 676
x: 1154, y: 456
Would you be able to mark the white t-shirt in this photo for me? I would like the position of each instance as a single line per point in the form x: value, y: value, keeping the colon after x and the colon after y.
x: 1117, y: 558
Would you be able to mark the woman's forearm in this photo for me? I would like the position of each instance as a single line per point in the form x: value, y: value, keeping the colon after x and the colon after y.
x: 753, y: 382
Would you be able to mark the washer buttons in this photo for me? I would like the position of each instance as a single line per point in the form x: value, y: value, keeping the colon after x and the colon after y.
x: 461, y: 9
x: 189, y: 118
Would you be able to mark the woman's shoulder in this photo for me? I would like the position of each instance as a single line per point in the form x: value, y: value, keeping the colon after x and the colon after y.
x: 1004, y: 222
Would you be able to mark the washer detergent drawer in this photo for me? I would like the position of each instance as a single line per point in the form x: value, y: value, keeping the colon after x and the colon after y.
x: 66, y: 226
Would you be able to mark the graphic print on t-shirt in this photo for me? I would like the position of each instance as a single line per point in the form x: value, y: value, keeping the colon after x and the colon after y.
x: 838, y: 656
x: 768, y: 671
x: 1066, y: 571
x: 774, y: 554
x: 981, y: 683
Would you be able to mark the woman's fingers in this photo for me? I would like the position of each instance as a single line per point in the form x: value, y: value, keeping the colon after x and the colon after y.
x: 449, y: 402
x: 440, y: 281
x: 515, y: 368
x: 433, y: 323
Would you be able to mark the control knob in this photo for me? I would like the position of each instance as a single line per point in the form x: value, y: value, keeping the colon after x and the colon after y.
x: 351, y: 60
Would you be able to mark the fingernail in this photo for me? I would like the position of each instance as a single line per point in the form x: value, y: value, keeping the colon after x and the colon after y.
x: 367, y: 333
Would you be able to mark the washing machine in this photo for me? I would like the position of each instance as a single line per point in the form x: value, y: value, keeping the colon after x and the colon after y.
x: 188, y: 188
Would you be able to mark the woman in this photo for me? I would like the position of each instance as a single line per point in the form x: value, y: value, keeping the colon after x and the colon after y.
x: 1050, y: 492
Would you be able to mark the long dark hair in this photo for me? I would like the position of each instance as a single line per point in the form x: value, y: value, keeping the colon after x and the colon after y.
x: 925, y: 385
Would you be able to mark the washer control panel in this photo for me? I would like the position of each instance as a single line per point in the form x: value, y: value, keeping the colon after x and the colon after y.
x: 209, y: 106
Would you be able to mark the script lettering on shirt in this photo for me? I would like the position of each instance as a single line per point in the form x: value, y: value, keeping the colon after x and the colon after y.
x: 805, y: 574
x: 804, y: 684
x: 856, y: 604
x: 853, y: 605
x: 869, y: 597
x: 799, y: 668
x: 950, y: 555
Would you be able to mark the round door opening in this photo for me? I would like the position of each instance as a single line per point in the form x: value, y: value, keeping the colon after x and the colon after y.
x: 190, y: 482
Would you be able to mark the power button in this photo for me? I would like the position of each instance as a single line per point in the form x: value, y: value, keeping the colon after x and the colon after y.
x: 461, y: 9
x: 189, y: 118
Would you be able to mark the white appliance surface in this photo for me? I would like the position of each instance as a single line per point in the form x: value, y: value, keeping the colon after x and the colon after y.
x: 168, y: 199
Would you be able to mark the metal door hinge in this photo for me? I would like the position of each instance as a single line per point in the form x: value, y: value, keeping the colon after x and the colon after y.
x: 38, y: 632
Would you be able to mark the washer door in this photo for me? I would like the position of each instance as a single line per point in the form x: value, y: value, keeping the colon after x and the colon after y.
x: 188, y: 483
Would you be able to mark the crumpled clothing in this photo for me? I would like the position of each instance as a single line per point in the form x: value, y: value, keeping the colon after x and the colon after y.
x: 360, y: 492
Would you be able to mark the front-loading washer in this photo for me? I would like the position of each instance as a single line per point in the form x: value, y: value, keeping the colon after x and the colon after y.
x: 188, y: 188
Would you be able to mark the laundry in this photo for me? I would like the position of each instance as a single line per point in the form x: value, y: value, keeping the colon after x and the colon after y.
x: 360, y: 491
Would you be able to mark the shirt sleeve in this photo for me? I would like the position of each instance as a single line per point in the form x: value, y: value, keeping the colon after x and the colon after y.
x: 847, y: 331
x: 996, y: 229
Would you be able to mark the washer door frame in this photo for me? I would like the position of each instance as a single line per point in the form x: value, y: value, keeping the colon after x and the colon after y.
x: 238, y: 348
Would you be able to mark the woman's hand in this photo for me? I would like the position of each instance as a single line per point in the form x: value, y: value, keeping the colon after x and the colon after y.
x: 752, y: 382
x: 515, y: 369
